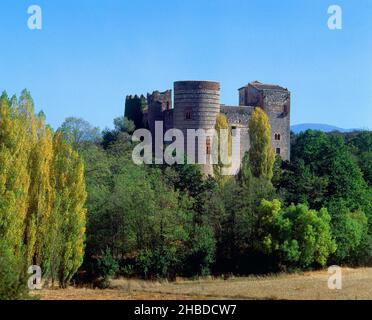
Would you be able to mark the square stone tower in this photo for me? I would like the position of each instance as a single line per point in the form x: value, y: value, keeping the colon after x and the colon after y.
x: 276, y: 101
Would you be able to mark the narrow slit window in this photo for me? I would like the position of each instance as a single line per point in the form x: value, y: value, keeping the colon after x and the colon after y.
x: 233, y: 131
x: 188, y: 114
x: 208, y: 145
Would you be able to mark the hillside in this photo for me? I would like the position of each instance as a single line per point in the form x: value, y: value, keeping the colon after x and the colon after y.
x: 317, y: 126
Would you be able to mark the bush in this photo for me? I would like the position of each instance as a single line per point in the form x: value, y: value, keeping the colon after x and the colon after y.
x: 350, y: 230
x: 107, y: 268
x: 13, y: 280
x: 297, y: 236
x: 201, y: 251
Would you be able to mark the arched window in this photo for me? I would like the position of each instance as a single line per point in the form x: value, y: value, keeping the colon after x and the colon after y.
x: 277, y: 136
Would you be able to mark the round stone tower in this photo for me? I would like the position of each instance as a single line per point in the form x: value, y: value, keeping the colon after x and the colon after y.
x: 196, y: 106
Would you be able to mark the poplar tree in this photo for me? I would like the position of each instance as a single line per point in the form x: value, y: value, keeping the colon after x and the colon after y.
x: 14, y: 182
x: 69, y: 184
x: 25, y: 109
x: 42, y: 195
x: 219, y: 168
x: 14, y: 177
x: 261, y: 153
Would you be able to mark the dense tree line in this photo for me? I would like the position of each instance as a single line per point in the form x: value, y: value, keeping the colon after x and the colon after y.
x: 167, y: 221
x: 42, y: 196
x: 164, y: 221
x: 332, y: 171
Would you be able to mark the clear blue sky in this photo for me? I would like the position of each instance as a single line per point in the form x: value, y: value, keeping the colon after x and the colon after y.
x: 91, y: 53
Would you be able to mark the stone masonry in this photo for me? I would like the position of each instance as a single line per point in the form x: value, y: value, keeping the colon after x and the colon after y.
x: 197, y: 104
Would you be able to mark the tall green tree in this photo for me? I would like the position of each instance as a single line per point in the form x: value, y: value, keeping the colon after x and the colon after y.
x: 77, y: 131
x: 220, y: 169
x: 14, y: 183
x: 41, y: 193
x: 69, y: 184
x: 42, y: 196
x: 261, y: 153
x: 360, y: 145
x: 350, y: 230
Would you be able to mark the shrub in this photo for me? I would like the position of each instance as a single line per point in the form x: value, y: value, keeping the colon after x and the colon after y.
x: 13, y: 280
x: 107, y: 268
x: 297, y: 236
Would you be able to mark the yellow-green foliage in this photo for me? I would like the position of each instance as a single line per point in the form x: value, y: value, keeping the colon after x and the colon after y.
x: 69, y: 184
x: 297, y: 235
x: 42, y: 194
x: 14, y: 176
x: 218, y: 169
x: 261, y: 153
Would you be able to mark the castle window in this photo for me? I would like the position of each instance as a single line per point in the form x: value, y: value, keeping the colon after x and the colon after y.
x: 277, y: 136
x: 188, y: 114
x: 208, y: 145
x: 285, y: 109
x: 277, y: 150
x: 233, y: 131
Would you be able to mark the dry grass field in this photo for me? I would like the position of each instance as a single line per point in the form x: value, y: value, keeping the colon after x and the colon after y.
x: 356, y: 284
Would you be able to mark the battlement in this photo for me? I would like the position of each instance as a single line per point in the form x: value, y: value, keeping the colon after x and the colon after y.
x: 136, y: 96
x: 197, y: 104
x: 162, y: 100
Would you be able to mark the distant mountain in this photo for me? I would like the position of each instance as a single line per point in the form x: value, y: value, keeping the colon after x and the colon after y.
x: 317, y: 126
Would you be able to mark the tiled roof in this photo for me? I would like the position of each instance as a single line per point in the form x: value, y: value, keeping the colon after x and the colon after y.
x: 264, y: 86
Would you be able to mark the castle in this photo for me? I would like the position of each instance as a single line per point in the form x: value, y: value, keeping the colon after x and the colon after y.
x: 197, y: 104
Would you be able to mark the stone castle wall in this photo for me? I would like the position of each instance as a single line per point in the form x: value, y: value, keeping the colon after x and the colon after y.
x: 276, y: 102
x: 238, y: 118
x: 197, y: 104
x: 277, y: 106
